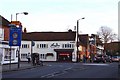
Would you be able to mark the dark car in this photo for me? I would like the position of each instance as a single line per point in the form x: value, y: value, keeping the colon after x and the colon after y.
x: 99, y: 58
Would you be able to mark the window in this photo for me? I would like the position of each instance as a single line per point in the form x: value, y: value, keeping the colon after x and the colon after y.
x: 23, y: 56
x: 8, y: 55
x: 68, y: 45
x: 25, y: 45
x: 42, y: 45
x: 42, y: 56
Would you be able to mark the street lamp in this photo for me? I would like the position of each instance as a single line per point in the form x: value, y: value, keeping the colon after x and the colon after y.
x: 25, y: 13
x: 77, y: 33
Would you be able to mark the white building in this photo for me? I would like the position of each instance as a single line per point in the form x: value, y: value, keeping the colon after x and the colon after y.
x: 8, y: 55
x: 51, y: 46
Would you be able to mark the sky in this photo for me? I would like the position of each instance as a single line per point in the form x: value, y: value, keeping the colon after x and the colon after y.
x: 61, y: 15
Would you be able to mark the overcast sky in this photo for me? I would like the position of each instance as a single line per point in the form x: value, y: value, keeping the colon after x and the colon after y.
x: 61, y: 15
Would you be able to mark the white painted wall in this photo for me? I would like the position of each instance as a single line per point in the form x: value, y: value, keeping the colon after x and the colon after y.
x: 25, y: 50
x: 1, y: 34
x: 13, y: 54
x: 47, y: 50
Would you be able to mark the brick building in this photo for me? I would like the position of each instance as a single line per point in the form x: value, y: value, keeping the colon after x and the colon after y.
x: 112, y: 48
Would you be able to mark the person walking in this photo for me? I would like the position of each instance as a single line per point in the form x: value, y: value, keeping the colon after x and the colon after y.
x: 84, y: 58
x: 28, y: 57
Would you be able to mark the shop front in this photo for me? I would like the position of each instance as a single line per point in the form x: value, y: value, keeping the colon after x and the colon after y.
x: 64, y: 55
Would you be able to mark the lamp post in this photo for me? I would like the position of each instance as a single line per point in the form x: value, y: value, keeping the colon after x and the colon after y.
x: 77, y: 33
x: 25, y: 13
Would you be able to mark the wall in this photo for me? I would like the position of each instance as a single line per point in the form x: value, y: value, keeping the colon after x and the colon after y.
x: 13, y: 54
x: 47, y: 49
x: 6, y: 33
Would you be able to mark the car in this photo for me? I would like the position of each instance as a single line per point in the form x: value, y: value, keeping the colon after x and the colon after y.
x: 116, y: 58
x: 99, y: 58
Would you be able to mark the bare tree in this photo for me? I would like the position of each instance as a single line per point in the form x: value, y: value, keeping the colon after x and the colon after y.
x: 106, y: 34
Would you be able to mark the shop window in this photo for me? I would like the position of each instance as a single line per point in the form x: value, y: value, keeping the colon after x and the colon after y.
x: 9, y: 55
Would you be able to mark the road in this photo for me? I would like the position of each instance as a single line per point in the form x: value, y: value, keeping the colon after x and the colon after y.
x: 68, y: 70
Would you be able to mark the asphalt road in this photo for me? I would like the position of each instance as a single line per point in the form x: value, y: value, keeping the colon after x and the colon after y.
x: 68, y: 70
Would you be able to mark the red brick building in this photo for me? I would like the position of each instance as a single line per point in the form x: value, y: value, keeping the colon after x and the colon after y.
x: 5, y: 26
x: 112, y: 48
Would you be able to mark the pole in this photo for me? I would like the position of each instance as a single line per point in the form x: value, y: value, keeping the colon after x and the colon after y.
x: 11, y: 17
x: 10, y: 59
x: 19, y: 49
x: 19, y: 58
x: 31, y: 53
x: 16, y: 16
x: 77, y: 38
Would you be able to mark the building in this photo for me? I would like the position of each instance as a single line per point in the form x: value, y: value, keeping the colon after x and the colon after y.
x: 51, y: 46
x: 112, y: 48
x: 6, y: 56
x: 84, y: 42
x: 55, y: 46
x: 96, y: 45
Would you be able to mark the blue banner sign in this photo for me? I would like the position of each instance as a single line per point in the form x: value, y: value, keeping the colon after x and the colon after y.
x: 15, y: 36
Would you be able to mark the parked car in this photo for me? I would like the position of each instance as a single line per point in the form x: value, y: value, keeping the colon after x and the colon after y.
x: 116, y: 58
x: 99, y: 58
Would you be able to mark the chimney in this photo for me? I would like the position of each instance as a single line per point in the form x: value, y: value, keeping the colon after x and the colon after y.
x: 25, y: 30
x: 70, y: 30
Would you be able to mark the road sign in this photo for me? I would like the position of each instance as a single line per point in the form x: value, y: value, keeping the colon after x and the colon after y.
x: 15, y: 36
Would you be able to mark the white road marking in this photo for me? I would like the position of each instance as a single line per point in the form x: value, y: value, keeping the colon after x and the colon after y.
x: 96, y: 64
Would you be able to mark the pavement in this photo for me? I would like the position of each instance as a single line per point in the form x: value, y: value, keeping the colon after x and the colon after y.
x: 14, y: 66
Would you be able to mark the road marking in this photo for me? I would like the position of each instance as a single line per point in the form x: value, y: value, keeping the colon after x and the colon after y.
x: 49, y: 65
x: 96, y: 64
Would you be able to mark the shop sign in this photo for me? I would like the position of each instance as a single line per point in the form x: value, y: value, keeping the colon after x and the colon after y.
x: 54, y: 45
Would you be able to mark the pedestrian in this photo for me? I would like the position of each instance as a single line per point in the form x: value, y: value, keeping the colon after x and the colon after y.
x: 28, y: 57
x: 84, y: 58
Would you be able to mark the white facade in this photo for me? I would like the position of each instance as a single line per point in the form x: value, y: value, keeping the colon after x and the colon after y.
x: 1, y: 34
x: 5, y: 54
x: 47, y: 47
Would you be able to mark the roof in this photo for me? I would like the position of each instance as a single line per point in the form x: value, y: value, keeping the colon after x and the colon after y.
x: 4, y: 22
x: 49, y: 36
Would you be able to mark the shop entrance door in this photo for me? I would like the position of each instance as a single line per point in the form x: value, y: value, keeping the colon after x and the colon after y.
x: 65, y: 56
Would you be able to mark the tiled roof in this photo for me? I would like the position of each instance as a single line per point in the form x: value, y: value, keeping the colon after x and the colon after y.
x: 3, y: 21
x: 49, y: 36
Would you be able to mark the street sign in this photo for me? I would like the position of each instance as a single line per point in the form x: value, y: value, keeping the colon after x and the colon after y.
x: 33, y: 43
x: 15, y: 36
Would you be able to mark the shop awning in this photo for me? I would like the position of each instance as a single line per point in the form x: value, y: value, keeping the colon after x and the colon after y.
x: 63, y: 50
